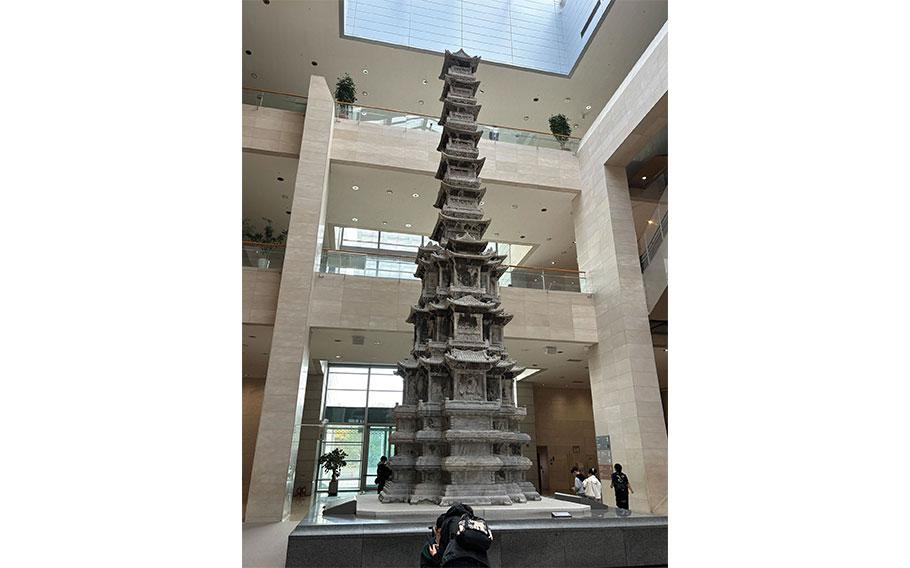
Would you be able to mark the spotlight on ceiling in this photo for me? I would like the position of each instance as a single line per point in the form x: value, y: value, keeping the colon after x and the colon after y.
x: 424, y: 81
x: 365, y: 71
x: 643, y: 178
x: 420, y: 102
x: 588, y: 107
x: 338, y: 356
x: 415, y: 195
x: 650, y: 221
x: 408, y: 225
x: 355, y: 219
x: 364, y: 93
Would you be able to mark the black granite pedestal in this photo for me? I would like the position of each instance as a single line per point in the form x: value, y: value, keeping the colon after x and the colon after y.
x: 606, y: 541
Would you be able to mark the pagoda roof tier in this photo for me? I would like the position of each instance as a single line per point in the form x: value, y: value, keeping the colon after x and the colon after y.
x: 433, y: 360
x: 473, y: 189
x: 503, y: 318
x: 460, y: 357
x: 410, y: 363
x: 469, y: 255
x: 462, y: 84
x: 445, y: 190
x: 459, y: 58
x: 446, y: 224
x: 449, y: 160
x: 467, y: 242
x: 447, y: 135
x: 470, y: 304
x: 412, y: 315
x: 461, y: 128
x: 449, y: 107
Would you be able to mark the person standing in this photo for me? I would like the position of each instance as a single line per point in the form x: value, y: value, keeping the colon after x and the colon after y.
x: 592, y: 486
x: 621, y: 487
x: 383, y: 473
x: 579, y: 479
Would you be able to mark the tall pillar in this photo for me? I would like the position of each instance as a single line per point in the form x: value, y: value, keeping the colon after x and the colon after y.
x: 274, y: 464
x: 624, y: 387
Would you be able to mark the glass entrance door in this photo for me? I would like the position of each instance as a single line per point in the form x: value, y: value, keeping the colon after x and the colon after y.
x: 378, y: 446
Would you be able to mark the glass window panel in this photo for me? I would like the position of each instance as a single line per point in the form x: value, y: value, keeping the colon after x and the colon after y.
x: 381, y: 415
x: 343, y: 434
x: 341, y: 414
x: 384, y: 399
x: 348, y: 398
x: 360, y: 238
x: 352, y: 379
x: 389, y: 382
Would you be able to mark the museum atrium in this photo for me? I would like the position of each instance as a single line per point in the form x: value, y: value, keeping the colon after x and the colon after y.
x: 338, y: 198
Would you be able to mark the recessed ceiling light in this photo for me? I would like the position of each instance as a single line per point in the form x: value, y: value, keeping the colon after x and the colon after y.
x: 266, y: 2
x: 280, y: 178
x: 284, y: 196
x: 543, y: 210
x: 254, y: 76
x: 424, y: 81
x: 385, y: 222
x: 526, y: 117
x: 563, y: 252
x: 495, y: 234
x: 420, y: 102
x: 552, y: 262
x: 364, y: 93
x: 248, y: 52
x: 573, y: 242
x: 338, y: 356
x: 535, y: 99
x: 314, y: 63
x: 377, y: 343
x: 363, y: 113
x: 355, y: 187
x: 650, y: 221
x: 644, y: 178
x: 514, y: 206
x: 408, y: 225
x: 521, y: 236
x: 355, y: 219
x: 588, y: 107
x: 415, y: 195
x: 568, y: 99
x: 535, y: 365
x: 288, y: 212
x: 549, y: 238
x: 482, y: 202
x: 365, y: 71
x: 389, y: 191
x: 252, y: 336
x: 481, y: 90
x: 337, y: 340
x: 575, y: 125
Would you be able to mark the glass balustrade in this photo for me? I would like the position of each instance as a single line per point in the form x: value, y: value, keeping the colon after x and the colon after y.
x: 403, y: 267
x: 400, y: 119
x: 272, y: 99
x: 263, y: 255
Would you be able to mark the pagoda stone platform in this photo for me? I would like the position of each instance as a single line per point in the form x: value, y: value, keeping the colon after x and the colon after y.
x: 369, y: 507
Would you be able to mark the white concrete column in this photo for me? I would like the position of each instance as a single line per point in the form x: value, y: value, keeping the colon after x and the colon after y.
x: 624, y: 385
x: 274, y: 463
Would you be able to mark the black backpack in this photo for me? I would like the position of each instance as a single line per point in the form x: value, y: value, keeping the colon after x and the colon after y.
x: 473, y: 533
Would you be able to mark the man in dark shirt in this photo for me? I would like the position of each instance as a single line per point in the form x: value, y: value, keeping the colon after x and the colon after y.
x: 383, y: 473
x: 621, y: 487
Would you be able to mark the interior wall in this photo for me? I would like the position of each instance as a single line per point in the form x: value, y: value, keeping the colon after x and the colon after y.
x: 309, y: 435
x: 528, y: 426
x: 253, y: 389
x: 564, y: 422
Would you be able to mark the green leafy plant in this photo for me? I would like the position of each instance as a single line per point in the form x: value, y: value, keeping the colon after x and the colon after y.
x: 559, y: 126
x: 333, y: 461
x: 345, y: 90
x: 266, y: 235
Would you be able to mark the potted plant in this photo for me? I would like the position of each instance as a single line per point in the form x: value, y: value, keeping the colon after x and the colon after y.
x: 345, y: 92
x: 333, y: 462
x: 559, y: 126
x: 266, y: 236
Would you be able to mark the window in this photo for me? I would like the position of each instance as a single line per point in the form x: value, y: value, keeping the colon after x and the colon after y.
x: 358, y: 405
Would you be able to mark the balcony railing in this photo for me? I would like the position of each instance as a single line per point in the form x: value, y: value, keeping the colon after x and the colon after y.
x: 402, y: 119
x: 274, y: 99
x: 403, y: 267
x: 263, y: 255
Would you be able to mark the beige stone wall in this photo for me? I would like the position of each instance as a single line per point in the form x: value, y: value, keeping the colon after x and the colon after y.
x: 360, y: 302
x: 253, y: 389
x: 260, y: 295
x: 377, y: 145
x: 564, y: 419
x: 309, y: 436
x: 529, y: 427
x: 272, y: 130
x: 624, y: 385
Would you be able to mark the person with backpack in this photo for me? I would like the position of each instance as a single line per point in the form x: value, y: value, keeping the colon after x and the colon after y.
x: 621, y: 487
x: 592, y: 486
x: 579, y: 480
x: 383, y: 473
x: 462, y: 539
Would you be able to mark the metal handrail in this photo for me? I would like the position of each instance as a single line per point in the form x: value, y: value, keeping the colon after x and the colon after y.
x: 275, y: 93
x: 435, y: 118
x: 412, y: 258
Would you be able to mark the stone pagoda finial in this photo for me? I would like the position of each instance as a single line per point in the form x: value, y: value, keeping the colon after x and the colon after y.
x: 457, y: 435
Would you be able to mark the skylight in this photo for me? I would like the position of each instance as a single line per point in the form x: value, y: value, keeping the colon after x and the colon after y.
x: 542, y: 35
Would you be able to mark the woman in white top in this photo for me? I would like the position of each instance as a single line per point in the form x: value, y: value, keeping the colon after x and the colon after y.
x: 592, y: 485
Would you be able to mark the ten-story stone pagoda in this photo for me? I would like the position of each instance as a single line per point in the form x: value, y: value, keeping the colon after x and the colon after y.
x: 457, y: 437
